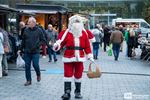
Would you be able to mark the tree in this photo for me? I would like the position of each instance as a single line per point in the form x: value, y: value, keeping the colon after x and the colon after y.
x: 146, y: 11
x: 27, y: 1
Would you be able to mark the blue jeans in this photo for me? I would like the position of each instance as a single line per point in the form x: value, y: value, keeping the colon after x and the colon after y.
x: 50, y: 52
x: 116, y: 50
x: 95, y: 52
x: 34, y: 58
x: 95, y: 49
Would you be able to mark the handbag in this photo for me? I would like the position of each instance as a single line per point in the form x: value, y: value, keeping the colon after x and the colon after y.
x: 93, y: 74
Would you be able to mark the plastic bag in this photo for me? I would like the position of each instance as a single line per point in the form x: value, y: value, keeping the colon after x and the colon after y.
x: 109, y: 50
x: 20, y: 62
x: 133, y: 53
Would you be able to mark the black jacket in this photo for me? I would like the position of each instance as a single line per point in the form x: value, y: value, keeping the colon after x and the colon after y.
x: 31, y: 40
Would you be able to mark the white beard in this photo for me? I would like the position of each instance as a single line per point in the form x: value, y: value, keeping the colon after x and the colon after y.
x: 76, y: 29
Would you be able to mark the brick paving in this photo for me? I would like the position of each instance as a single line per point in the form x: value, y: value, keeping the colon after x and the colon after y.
x: 118, y: 78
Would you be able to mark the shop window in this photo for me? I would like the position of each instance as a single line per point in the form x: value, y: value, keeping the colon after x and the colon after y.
x: 53, y: 19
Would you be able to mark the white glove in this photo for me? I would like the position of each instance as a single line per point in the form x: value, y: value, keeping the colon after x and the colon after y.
x: 56, y: 47
x: 91, y: 59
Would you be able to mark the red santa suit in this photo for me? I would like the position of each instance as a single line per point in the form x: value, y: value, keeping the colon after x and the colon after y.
x: 76, y: 42
x: 74, y: 55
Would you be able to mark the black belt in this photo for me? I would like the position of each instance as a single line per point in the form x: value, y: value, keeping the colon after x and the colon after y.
x: 74, y: 48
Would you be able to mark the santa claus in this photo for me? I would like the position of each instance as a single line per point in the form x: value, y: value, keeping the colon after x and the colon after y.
x: 76, y: 42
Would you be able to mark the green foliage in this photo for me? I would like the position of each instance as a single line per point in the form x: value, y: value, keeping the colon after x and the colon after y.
x: 146, y: 11
x: 28, y: 1
x: 120, y: 11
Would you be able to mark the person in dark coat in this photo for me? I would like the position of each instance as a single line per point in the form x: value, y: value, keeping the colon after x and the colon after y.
x: 31, y: 42
x: 51, y: 38
x: 116, y: 39
x: 131, y: 42
x: 106, y: 38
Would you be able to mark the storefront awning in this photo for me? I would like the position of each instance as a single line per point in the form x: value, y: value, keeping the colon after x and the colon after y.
x: 38, y: 11
x: 21, y: 12
x: 6, y: 9
x: 97, y: 15
x: 40, y: 8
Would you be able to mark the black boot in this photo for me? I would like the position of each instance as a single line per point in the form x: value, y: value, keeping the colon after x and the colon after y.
x: 67, y: 90
x: 94, y: 57
x: 78, y: 90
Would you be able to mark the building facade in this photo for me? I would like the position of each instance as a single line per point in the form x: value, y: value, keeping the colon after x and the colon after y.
x: 123, y: 8
x: 105, y: 8
x: 120, y: 8
x: 45, y: 14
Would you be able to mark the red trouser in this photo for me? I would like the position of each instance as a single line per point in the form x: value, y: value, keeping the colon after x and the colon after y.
x: 44, y: 50
x: 73, y: 68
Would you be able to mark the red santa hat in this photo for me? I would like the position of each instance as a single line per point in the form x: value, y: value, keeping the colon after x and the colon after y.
x: 76, y: 25
x: 74, y: 19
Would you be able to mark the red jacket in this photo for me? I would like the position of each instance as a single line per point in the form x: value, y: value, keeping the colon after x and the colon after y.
x: 75, y: 55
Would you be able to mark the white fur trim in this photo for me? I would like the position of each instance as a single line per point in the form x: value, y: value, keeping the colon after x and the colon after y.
x: 90, y: 55
x: 85, y: 31
x: 78, y: 80
x: 58, y: 42
x: 77, y: 43
x: 93, y: 39
x: 74, y: 59
x: 73, y: 19
x: 64, y: 35
x: 68, y: 79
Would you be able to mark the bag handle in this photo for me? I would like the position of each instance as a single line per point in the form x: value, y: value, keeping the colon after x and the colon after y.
x: 97, y: 68
x: 92, y: 62
x: 90, y: 70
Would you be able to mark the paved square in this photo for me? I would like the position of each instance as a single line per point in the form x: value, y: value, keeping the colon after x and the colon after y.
x: 121, y: 80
